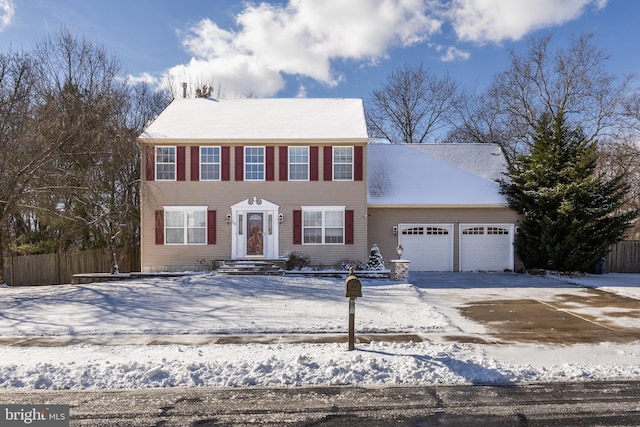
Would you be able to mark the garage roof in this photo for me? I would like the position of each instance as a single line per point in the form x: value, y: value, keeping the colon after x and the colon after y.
x: 435, y: 175
x: 260, y: 119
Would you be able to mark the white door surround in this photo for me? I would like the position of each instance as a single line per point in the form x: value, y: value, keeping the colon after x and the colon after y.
x: 254, y: 229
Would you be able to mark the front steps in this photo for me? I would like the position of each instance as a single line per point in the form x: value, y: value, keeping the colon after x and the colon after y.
x: 251, y: 267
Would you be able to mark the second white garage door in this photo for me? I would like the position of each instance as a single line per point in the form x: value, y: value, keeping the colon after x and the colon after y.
x: 486, y: 247
x: 429, y: 247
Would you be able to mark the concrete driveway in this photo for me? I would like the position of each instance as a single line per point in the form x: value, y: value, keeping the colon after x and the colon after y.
x: 501, y: 308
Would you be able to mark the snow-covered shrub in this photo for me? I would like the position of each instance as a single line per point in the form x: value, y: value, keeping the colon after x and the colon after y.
x: 297, y: 261
x: 347, y: 263
x: 375, y: 262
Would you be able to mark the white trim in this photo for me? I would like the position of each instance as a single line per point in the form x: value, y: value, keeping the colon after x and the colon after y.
x: 323, y: 210
x: 208, y: 163
x: 185, y: 210
x: 326, y: 208
x: 333, y: 163
x: 175, y: 162
x: 239, y: 228
x: 289, y: 163
x: 264, y: 163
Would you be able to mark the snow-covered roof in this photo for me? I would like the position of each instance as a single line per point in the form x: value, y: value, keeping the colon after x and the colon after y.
x: 486, y: 160
x: 260, y: 118
x: 434, y: 175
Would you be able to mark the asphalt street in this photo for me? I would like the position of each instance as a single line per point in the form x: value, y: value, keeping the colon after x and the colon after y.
x: 558, y: 404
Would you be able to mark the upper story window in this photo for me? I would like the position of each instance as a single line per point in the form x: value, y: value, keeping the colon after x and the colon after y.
x: 209, y: 163
x: 342, y: 163
x: 298, y: 163
x: 323, y: 225
x: 254, y: 163
x: 185, y: 226
x: 165, y: 163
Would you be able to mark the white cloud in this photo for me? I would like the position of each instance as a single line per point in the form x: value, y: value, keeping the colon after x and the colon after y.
x: 498, y: 20
x: 452, y: 53
x: 7, y: 10
x: 302, y: 38
x: 306, y: 38
x: 143, y: 78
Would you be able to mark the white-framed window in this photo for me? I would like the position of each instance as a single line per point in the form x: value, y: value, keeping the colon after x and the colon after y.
x: 323, y: 225
x: 165, y: 163
x: 343, y: 163
x: 209, y: 163
x: 254, y: 163
x: 185, y: 225
x: 298, y: 163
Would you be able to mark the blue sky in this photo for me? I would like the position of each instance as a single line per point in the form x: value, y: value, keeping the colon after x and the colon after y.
x: 321, y: 48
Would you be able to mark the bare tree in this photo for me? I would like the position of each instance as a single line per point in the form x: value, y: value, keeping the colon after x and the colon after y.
x: 71, y: 122
x: 22, y: 156
x: 413, y: 106
x: 572, y: 80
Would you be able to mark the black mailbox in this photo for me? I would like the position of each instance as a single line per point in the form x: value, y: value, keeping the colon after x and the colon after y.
x: 353, y: 286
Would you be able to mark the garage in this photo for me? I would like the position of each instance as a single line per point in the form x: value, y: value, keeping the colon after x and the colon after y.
x: 429, y: 247
x: 486, y: 247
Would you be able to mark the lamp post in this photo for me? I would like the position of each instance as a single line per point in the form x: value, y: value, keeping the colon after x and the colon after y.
x: 399, y: 267
x: 399, y: 250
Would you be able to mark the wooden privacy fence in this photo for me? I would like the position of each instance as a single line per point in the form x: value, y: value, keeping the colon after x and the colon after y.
x: 57, y: 269
x: 624, y: 257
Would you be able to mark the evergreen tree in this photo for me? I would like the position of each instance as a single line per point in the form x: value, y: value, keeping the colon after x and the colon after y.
x: 571, y: 215
x: 375, y: 261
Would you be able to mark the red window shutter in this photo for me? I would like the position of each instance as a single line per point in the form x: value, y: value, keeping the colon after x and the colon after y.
x: 358, y: 163
x: 328, y: 163
x: 150, y: 163
x: 195, y: 163
x: 313, y: 163
x: 226, y: 163
x: 211, y: 227
x: 270, y: 163
x: 239, y: 163
x: 180, y: 166
x: 159, y: 227
x: 283, y: 163
x: 297, y: 227
x: 348, y: 227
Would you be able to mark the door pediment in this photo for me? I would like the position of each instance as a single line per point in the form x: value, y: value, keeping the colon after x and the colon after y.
x: 255, y: 204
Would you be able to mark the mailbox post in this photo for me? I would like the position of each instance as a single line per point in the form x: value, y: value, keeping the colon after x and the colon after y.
x: 353, y: 290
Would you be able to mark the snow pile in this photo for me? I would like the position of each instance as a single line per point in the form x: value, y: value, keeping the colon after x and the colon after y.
x: 203, y: 304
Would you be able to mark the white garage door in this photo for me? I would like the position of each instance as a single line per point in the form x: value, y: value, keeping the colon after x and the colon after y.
x: 486, y: 247
x: 429, y: 247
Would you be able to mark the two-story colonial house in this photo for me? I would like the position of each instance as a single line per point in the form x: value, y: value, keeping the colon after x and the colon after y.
x: 242, y: 179
x: 254, y: 178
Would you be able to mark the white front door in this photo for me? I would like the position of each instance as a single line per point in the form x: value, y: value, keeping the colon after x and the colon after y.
x: 254, y: 229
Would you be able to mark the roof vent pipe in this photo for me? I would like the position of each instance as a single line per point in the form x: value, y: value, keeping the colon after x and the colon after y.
x: 184, y: 89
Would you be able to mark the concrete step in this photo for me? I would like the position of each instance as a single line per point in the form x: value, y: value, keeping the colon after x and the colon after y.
x: 250, y: 267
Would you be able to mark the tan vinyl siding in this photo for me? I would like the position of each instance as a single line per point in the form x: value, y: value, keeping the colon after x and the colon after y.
x: 221, y: 195
x: 382, y: 221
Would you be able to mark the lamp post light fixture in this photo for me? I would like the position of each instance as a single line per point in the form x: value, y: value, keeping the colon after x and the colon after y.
x: 399, y: 250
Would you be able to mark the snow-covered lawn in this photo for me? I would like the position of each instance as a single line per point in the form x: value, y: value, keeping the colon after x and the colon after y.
x: 192, y: 309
